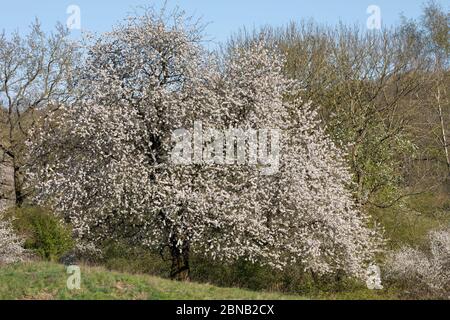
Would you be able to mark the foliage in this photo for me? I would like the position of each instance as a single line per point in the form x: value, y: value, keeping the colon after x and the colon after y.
x: 46, y: 235
x: 410, y: 220
x: 360, y: 83
x: 423, y: 273
x: 133, y: 259
x: 382, y: 95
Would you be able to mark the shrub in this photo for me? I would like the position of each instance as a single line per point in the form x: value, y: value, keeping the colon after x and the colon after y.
x: 409, y: 221
x: 423, y: 272
x: 45, y: 234
x: 122, y: 257
x: 11, y: 249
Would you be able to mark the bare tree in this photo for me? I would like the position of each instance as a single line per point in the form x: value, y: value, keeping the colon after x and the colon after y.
x: 437, y: 27
x: 35, y: 73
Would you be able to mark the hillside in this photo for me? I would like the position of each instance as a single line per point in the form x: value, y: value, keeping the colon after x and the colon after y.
x: 46, y: 281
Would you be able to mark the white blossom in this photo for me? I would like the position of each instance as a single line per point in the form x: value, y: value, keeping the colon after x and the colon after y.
x: 105, y: 162
x: 11, y: 249
x: 419, y: 268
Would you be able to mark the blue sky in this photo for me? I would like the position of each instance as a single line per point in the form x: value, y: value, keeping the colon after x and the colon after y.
x: 224, y: 16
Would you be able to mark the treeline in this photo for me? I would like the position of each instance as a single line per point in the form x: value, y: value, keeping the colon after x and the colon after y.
x: 382, y: 94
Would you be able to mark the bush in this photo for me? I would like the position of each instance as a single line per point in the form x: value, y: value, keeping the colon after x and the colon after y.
x: 133, y: 259
x: 409, y: 221
x: 254, y: 276
x: 11, y: 249
x: 45, y: 234
x: 423, y: 273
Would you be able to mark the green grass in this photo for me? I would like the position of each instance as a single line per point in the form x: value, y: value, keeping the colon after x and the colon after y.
x: 48, y: 281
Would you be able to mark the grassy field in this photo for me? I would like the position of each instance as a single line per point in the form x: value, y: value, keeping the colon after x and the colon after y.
x: 43, y: 281
x: 46, y: 281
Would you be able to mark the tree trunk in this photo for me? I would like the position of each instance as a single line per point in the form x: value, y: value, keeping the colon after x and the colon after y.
x: 18, y: 186
x: 446, y: 152
x: 444, y: 135
x: 180, y: 269
x: 7, y: 187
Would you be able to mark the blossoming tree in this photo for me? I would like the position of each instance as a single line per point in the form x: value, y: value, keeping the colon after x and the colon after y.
x: 106, y: 162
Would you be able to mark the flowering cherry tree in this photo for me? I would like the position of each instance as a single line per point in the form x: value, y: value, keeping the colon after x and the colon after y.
x: 105, y: 163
